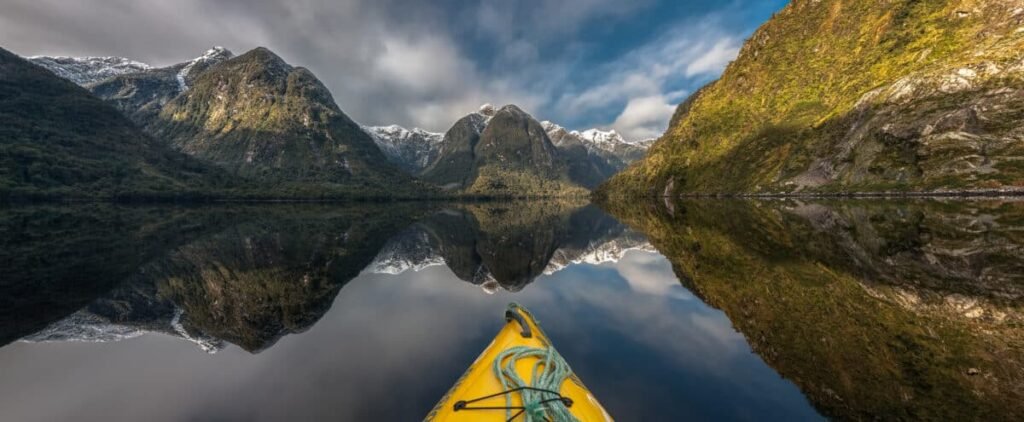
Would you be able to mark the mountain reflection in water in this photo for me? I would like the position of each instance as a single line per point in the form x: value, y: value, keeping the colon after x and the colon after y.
x: 876, y: 309
x: 890, y: 309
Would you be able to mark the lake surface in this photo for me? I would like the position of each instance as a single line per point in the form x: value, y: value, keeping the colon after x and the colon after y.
x: 698, y: 310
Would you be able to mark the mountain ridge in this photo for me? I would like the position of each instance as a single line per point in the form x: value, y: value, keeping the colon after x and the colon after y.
x: 153, y: 99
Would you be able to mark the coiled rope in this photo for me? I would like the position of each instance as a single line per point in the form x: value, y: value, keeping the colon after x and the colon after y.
x: 541, y: 402
x: 540, y: 396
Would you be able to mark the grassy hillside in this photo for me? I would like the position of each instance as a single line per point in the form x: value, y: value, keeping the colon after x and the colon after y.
x: 850, y: 95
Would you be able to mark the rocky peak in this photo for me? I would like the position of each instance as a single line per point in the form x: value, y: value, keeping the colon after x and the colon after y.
x: 487, y: 110
x: 514, y: 139
x: 264, y: 55
x: 197, y: 65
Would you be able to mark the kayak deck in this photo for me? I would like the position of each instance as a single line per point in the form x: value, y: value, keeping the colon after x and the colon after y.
x: 480, y: 396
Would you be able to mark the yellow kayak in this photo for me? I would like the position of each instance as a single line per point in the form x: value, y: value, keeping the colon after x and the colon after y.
x: 520, y: 366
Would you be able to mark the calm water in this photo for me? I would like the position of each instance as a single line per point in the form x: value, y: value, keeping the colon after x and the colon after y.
x: 713, y: 310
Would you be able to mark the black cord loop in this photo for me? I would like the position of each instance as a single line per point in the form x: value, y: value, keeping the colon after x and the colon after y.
x: 462, y: 404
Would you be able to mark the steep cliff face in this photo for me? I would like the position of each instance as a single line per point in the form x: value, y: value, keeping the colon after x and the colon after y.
x: 454, y: 167
x: 843, y: 95
x: 503, y: 152
x: 263, y: 118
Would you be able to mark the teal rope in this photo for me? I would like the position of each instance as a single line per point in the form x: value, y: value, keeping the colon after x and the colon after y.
x: 549, y: 372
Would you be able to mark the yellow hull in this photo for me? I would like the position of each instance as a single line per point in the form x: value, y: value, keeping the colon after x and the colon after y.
x: 480, y: 381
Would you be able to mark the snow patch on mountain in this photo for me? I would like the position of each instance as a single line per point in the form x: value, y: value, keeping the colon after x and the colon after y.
x: 412, y: 150
x: 208, y: 344
x: 213, y: 55
x: 411, y: 250
x: 86, y: 327
x: 88, y: 70
x: 597, y: 253
x: 609, y: 141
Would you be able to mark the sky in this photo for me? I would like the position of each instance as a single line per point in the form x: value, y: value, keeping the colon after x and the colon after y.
x: 614, y: 64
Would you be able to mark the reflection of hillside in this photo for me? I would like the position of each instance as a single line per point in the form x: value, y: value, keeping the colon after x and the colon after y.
x: 250, y: 275
x: 876, y: 310
x: 507, y: 244
x: 271, y: 272
x: 57, y: 259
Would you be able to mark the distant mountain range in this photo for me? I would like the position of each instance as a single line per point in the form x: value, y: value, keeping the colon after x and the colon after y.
x: 277, y: 130
x: 253, y: 115
x: 591, y: 156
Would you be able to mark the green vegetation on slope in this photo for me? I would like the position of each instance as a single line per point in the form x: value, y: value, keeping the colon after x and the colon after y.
x: 262, y: 119
x: 850, y: 95
x: 57, y: 140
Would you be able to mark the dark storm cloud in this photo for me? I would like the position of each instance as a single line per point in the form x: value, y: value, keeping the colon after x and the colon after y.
x: 410, y: 62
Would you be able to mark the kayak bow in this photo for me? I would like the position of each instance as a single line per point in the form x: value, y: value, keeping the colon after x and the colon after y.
x: 519, y: 377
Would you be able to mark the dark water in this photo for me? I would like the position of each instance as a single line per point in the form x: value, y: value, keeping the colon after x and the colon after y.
x: 709, y: 310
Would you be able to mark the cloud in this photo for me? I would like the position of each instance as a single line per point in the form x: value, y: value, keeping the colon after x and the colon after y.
x: 715, y: 59
x: 640, y: 90
x: 422, y: 63
x: 644, y: 117
x: 649, y: 273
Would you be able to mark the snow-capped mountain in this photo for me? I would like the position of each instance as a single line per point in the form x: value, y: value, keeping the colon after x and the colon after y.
x: 142, y: 95
x: 411, y: 150
x: 592, y: 155
x: 610, y: 141
x: 89, y: 70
